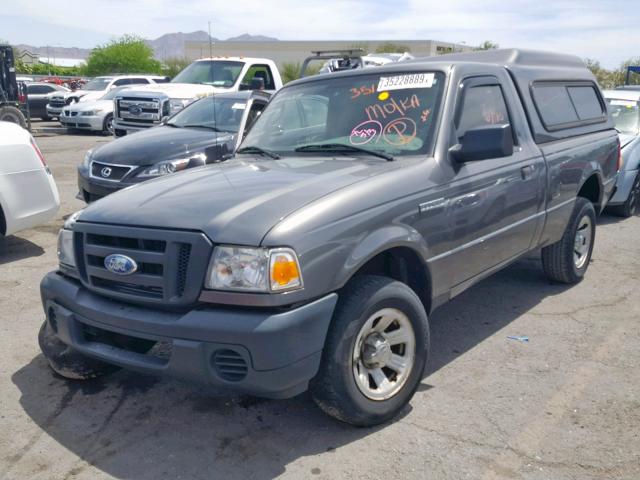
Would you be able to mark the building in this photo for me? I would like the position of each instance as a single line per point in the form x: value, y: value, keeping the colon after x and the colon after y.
x: 27, y: 57
x: 282, y: 51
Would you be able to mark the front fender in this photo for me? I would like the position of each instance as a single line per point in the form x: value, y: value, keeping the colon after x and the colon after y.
x: 378, y: 241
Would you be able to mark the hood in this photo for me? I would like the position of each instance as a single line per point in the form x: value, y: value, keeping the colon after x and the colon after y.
x: 175, y: 90
x: 156, y: 144
x: 91, y: 105
x: 237, y: 201
x: 89, y: 96
x: 626, y: 139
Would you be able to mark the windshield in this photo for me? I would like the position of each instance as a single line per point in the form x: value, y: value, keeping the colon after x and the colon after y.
x: 228, y: 114
x: 393, y: 114
x: 218, y: 73
x: 97, y: 84
x: 625, y: 114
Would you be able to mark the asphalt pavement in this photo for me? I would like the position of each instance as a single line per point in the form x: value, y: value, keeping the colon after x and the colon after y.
x: 563, y: 405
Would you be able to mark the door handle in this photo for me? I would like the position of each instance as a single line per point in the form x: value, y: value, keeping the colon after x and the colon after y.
x: 527, y: 172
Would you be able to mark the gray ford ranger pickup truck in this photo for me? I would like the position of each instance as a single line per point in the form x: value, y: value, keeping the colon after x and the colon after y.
x: 357, y: 204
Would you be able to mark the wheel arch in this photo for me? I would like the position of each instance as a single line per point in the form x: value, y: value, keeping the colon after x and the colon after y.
x: 592, y: 189
x: 397, y: 252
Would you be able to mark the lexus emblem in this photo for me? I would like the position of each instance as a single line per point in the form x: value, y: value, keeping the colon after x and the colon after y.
x: 106, y: 172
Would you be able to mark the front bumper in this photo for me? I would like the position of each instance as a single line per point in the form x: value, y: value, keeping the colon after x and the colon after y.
x: 129, y: 127
x: 91, y: 189
x: 82, y: 122
x: 54, y: 111
x: 624, y: 184
x: 270, y: 353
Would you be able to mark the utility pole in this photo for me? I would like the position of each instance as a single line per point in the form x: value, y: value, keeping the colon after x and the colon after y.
x: 210, y: 42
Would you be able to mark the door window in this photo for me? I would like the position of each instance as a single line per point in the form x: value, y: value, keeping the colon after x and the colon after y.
x: 262, y: 72
x: 482, y: 105
x: 254, y: 113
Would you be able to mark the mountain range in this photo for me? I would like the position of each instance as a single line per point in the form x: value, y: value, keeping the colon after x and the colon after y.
x: 166, y: 46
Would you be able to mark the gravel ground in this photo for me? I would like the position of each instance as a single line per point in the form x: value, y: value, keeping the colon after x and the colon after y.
x: 565, y: 405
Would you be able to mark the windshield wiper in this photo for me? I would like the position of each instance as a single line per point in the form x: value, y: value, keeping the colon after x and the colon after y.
x: 261, y: 151
x: 173, y: 125
x: 341, y: 147
x: 208, y: 127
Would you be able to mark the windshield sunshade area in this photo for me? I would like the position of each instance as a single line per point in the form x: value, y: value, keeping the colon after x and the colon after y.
x: 97, y: 84
x: 215, y: 113
x: 625, y: 114
x: 393, y: 114
x: 222, y: 74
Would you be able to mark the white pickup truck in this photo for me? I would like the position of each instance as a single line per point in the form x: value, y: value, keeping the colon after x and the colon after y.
x: 143, y: 107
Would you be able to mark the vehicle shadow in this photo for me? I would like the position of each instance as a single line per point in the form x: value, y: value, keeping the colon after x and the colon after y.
x: 609, y: 218
x: 15, y: 248
x: 133, y: 426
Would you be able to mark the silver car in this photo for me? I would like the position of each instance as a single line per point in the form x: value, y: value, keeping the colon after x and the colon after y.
x: 624, y: 107
x: 96, y: 115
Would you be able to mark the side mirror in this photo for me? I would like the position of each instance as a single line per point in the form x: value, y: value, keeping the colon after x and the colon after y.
x: 217, y: 152
x: 481, y: 143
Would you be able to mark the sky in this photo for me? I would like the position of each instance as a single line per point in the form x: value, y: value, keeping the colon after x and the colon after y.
x: 605, y: 30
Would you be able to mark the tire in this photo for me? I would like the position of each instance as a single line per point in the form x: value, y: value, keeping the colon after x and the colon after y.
x: 107, y: 125
x: 119, y: 133
x: 46, y: 118
x: 13, y: 115
x: 335, y: 388
x: 560, y: 261
x: 67, y: 362
x: 630, y: 206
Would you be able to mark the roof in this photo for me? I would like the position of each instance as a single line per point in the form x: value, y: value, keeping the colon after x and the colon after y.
x: 235, y: 59
x: 633, y: 95
x: 244, y: 94
x: 508, y: 57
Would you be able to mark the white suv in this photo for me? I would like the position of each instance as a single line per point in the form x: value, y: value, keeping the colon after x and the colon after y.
x: 96, y: 88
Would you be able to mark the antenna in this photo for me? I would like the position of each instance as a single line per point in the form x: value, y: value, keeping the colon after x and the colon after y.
x: 213, y: 95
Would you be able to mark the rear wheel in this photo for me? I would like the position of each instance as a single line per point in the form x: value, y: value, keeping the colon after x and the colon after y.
x: 630, y: 206
x: 375, y: 352
x: 12, y: 114
x: 567, y: 260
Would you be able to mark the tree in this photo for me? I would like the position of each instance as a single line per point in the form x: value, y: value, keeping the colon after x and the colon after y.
x: 390, y: 47
x: 174, y: 65
x: 128, y: 54
x: 604, y: 77
x: 487, y: 45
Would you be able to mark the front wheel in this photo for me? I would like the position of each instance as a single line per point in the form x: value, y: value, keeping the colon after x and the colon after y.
x: 630, y: 206
x: 567, y: 260
x: 12, y: 114
x: 375, y: 353
x: 67, y: 362
x: 107, y: 125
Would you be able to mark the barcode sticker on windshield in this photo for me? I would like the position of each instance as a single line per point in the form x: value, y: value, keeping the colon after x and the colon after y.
x: 401, y: 82
x: 239, y: 106
x: 624, y: 103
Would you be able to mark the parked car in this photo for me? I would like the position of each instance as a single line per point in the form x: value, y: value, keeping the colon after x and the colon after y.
x: 314, y: 257
x: 95, y: 115
x: 146, y: 106
x: 204, y: 132
x: 96, y: 88
x: 28, y: 193
x: 624, y: 107
x: 38, y: 95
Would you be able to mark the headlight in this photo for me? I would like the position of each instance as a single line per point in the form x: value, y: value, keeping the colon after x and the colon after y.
x: 91, y: 113
x: 177, y: 104
x: 253, y: 269
x: 164, y: 168
x: 66, y: 254
x: 87, y: 159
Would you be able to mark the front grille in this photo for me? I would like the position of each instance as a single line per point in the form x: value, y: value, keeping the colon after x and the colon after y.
x: 143, y: 111
x: 109, y: 172
x: 57, y: 102
x: 170, y: 264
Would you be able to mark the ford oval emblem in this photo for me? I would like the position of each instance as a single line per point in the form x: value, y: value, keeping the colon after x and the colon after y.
x: 120, y: 264
x: 135, y: 109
